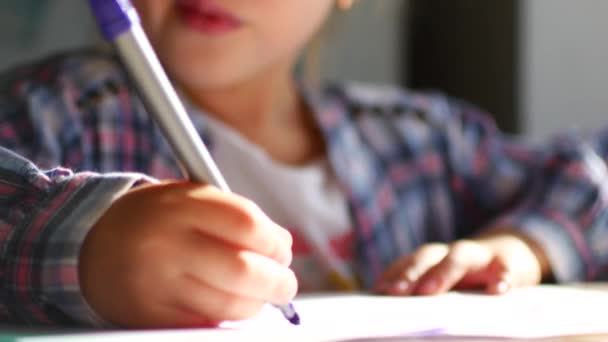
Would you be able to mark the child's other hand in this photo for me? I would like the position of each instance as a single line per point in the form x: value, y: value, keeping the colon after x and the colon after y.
x: 495, y: 263
x: 181, y: 254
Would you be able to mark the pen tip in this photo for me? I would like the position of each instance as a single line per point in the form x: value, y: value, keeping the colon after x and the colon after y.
x: 295, y: 319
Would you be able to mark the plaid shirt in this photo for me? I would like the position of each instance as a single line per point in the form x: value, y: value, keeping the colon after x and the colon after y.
x: 414, y: 168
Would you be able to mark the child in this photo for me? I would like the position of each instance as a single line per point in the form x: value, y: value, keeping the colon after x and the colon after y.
x: 370, y: 188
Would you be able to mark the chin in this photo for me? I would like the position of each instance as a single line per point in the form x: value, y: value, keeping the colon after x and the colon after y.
x: 208, y: 72
x: 208, y: 79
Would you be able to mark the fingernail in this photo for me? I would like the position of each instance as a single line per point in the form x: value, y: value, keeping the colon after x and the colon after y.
x: 399, y: 287
x: 429, y: 287
x: 503, y: 287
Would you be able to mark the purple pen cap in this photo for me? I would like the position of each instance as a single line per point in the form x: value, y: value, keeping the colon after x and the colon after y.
x: 114, y: 17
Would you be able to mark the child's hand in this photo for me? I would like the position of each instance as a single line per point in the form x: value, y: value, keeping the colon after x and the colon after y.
x: 496, y: 263
x: 180, y: 254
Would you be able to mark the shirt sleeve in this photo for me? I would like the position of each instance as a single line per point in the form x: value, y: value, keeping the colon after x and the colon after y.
x: 566, y: 210
x: 44, y: 218
x: 555, y: 193
x: 71, y: 110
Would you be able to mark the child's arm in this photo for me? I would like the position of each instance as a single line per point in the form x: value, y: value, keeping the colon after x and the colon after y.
x: 527, y: 212
x: 162, y: 255
x: 44, y: 218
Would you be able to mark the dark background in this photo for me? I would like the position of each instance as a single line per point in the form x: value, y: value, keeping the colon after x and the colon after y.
x: 469, y: 49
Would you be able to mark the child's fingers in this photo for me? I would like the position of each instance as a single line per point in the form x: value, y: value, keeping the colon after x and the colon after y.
x: 464, y: 257
x: 239, y: 222
x: 435, y: 251
x: 400, y: 277
x: 495, y: 278
x: 499, y: 277
x: 212, y: 304
x: 226, y: 216
x: 240, y: 272
x: 501, y: 285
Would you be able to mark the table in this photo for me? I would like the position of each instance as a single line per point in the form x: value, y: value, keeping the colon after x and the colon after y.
x: 400, y: 319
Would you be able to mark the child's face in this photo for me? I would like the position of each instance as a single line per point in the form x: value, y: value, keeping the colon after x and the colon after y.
x: 208, y: 44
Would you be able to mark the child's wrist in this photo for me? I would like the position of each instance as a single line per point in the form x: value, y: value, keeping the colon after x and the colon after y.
x: 497, y: 238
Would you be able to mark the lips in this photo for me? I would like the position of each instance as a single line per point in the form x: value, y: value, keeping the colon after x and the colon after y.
x: 207, y: 17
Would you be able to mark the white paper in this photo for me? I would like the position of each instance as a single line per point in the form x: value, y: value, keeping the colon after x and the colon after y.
x: 522, y: 313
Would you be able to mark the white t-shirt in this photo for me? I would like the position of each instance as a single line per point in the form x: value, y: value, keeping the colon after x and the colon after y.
x: 305, y: 199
